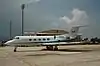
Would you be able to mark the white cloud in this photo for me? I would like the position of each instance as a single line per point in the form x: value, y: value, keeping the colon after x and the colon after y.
x: 79, y: 17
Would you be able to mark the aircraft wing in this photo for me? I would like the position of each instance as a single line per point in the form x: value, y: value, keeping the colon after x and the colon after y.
x: 62, y: 43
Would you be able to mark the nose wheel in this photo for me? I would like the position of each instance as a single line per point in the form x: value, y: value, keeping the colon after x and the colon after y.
x: 15, y: 49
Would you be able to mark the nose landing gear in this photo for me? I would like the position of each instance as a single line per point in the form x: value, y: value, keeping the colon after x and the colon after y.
x: 15, y: 49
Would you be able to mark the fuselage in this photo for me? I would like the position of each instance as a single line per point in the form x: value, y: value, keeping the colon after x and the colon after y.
x: 45, y: 39
x: 37, y: 39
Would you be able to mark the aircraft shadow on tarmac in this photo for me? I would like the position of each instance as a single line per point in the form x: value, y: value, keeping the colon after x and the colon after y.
x: 53, y: 53
x: 66, y: 50
x: 62, y: 50
x: 28, y: 50
x: 69, y: 50
x: 46, y: 54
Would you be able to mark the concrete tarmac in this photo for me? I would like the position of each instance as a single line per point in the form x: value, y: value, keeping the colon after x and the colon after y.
x: 74, y: 55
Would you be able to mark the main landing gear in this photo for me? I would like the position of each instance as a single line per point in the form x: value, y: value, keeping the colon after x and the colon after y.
x: 56, y: 48
x: 51, y: 48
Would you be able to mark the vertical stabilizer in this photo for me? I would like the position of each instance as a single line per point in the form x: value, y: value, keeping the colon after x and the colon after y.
x: 74, y: 31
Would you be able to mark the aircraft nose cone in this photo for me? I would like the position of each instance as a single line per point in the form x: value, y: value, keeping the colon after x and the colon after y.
x: 8, y: 42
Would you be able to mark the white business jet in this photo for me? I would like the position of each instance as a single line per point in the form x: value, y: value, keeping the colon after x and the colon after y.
x: 51, y: 42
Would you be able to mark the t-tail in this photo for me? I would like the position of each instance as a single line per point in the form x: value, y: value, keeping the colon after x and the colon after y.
x: 74, y: 31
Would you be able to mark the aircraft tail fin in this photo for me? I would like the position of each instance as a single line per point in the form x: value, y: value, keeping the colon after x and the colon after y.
x: 74, y: 31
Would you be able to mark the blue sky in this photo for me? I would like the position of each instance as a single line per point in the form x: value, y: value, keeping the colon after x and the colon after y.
x: 49, y: 14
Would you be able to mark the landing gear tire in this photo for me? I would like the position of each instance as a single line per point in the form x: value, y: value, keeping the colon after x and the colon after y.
x: 49, y: 47
x: 56, y: 48
x: 15, y: 49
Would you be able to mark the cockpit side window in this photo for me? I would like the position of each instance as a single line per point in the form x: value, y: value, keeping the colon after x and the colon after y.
x: 16, y: 37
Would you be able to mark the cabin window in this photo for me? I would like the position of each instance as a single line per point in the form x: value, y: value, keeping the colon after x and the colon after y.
x: 30, y: 39
x: 44, y: 39
x: 34, y: 39
x: 39, y: 39
x: 48, y: 38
